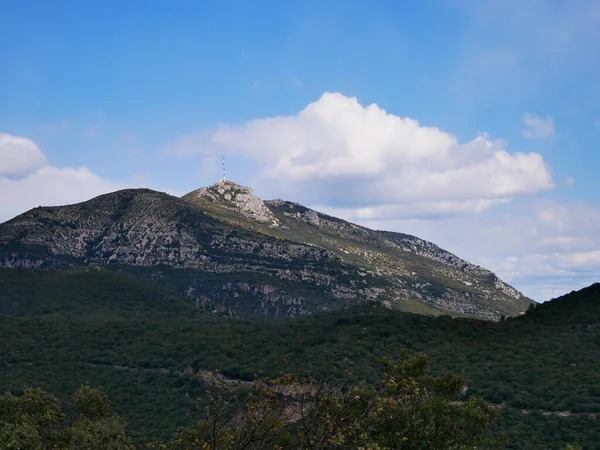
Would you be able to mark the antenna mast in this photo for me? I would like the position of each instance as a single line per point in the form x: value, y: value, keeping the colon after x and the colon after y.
x: 224, y: 177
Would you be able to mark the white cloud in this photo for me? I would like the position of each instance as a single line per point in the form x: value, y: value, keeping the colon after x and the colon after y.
x: 581, y: 260
x: 335, y: 150
x: 32, y: 182
x: 19, y: 155
x: 539, y: 127
x: 569, y: 181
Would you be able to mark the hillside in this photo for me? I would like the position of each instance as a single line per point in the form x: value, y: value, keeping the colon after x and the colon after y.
x: 149, y: 351
x: 229, y: 251
x: 219, y: 266
x: 414, y: 268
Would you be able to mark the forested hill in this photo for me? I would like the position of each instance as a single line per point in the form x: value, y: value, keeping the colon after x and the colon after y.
x: 147, y: 349
x: 577, y: 307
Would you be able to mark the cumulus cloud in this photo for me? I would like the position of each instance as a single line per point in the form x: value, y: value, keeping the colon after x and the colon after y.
x: 19, y: 155
x: 27, y: 181
x: 336, y: 149
x: 539, y: 127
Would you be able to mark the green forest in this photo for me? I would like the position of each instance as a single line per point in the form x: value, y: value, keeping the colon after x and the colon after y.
x: 147, y: 349
x: 407, y: 408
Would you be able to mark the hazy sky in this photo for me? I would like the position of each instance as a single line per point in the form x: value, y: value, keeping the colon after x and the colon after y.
x: 473, y: 124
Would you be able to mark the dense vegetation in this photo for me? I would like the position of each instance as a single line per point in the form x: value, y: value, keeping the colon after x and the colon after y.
x: 36, y: 421
x: 145, y: 348
x: 406, y: 409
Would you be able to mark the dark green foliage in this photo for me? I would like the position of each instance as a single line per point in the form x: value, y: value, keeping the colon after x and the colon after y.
x: 406, y: 408
x: 32, y: 420
x: 535, y: 430
x: 35, y: 420
x: 417, y: 410
x: 85, y: 293
x: 60, y: 330
x: 90, y: 403
x: 232, y: 419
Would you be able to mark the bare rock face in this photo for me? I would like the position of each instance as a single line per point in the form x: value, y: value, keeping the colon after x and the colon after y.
x: 296, y: 211
x: 237, y: 198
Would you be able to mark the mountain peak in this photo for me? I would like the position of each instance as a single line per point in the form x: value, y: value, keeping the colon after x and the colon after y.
x: 236, y: 197
x: 274, y: 257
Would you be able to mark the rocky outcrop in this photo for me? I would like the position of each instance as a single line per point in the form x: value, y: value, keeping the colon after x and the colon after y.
x: 237, y: 198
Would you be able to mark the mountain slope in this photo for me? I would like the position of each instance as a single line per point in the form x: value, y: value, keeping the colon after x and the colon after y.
x: 231, y: 252
x: 221, y: 267
x: 89, y: 294
x: 414, y: 268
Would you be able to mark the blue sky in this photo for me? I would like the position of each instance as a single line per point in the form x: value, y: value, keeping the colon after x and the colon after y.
x: 99, y: 95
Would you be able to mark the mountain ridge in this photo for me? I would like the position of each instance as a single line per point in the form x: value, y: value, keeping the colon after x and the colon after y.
x: 224, y: 193
x: 273, y: 257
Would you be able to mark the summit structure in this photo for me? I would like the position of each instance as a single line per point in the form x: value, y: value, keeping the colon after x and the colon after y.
x: 237, y: 198
x: 224, y: 175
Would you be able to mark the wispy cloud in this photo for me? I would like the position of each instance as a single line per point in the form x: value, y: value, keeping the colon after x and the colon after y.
x: 538, y: 127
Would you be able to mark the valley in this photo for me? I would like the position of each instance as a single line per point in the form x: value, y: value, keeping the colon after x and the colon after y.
x: 61, y: 329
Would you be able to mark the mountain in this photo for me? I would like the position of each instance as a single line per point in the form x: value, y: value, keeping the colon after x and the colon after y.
x: 231, y: 252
